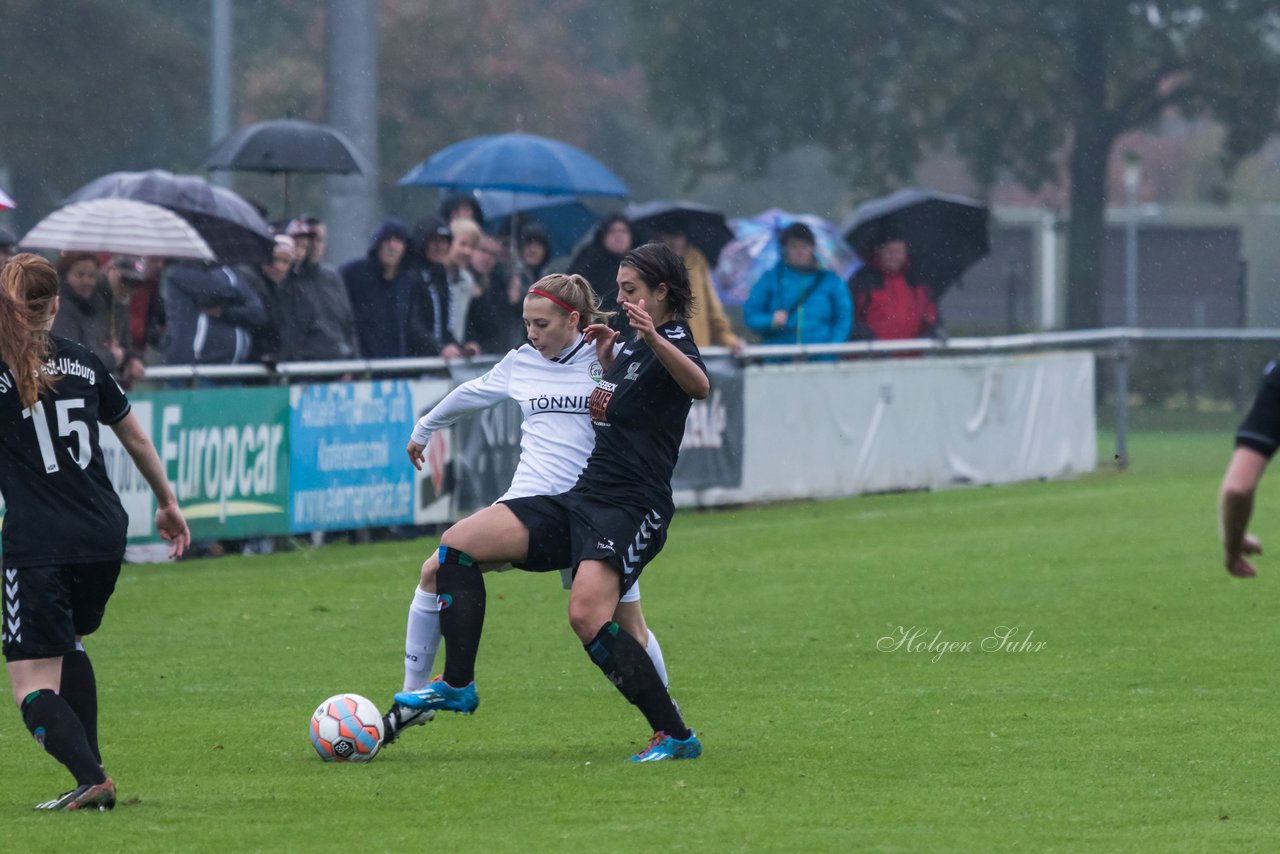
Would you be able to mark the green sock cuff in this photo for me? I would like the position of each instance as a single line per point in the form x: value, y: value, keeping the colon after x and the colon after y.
x: 27, y: 700
x: 447, y: 554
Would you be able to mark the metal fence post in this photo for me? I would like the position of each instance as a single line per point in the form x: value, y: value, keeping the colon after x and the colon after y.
x: 1121, y: 375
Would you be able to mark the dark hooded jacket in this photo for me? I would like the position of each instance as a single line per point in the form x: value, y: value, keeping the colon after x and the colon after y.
x: 599, y: 267
x: 314, y: 315
x: 381, y: 306
x: 212, y: 313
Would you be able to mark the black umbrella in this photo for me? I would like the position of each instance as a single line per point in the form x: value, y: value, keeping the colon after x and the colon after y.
x: 704, y: 227
x: 232, y: 227
x: 945, y: 234
x: 286, y: 146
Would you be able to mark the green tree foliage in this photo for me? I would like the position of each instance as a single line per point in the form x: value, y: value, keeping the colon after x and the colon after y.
x: 448, y: 70
x: 94, y: 86
x: 1007, y: 85
x: 90, y: 87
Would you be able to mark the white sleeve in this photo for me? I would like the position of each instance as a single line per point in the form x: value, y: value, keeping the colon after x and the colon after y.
x: 472, y: 396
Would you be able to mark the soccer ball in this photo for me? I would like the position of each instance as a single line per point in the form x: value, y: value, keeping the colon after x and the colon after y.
x: 346, y: 728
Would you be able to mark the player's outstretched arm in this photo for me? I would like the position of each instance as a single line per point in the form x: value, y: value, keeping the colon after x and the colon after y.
x: 472, y: 396
x: 691, y: 378
x: 169, y: 521
x: 1235, y: 508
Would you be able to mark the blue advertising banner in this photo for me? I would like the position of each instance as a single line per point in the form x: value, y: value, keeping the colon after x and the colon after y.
x: 348, y: 467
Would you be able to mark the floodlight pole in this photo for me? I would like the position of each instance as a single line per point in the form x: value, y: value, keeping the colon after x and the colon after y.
x: 1132, y: 180
x: 220, y: 40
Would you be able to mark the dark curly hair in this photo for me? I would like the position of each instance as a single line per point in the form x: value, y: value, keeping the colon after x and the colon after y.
x: 658, y: 264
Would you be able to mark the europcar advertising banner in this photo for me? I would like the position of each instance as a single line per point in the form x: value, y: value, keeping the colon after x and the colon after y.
x: 348, y: 466
x: 226, y: 452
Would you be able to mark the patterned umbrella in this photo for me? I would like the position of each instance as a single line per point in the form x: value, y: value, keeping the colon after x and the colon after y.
x: 121, y: 227
x: 754, y: 251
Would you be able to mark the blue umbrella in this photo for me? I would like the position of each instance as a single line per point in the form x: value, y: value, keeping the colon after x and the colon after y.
x: 754, y: 251
x: 517, y: 162
x: 566, y: 220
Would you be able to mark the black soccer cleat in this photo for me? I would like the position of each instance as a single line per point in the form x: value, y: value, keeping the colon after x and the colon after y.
x: 100, y: 797
x: 400, y: 717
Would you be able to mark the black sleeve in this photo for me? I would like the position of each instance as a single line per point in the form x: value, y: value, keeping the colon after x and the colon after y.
x: 113, y: 404
x: 678, y: 335
x: 1260, y: 429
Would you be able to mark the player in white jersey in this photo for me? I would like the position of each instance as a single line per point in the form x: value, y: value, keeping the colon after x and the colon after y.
x: 552, y: 378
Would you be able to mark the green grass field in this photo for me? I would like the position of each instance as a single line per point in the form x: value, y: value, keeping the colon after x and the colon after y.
x: 1146, y: 720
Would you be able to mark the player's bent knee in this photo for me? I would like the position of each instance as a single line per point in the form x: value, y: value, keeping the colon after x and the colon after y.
x: 586, y: 621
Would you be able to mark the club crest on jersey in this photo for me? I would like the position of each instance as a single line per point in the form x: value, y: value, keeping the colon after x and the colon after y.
x: 633, y: 371
x: 595, y: 371
x: 675, y: 333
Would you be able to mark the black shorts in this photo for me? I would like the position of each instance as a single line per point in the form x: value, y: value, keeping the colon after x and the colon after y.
x: 568, y: 528
x: 45, y: 607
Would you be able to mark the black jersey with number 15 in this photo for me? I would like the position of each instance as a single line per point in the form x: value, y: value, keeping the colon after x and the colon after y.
x: 639, y: 412
x: 60, y: 505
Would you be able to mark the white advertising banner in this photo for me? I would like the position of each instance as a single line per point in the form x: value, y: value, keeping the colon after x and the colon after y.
x: 132, y: 487
x: 829, y: 429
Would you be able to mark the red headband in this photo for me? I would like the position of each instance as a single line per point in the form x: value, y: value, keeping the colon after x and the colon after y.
x: 555, y: 300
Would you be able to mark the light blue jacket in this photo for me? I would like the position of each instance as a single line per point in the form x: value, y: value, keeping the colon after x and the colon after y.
x: 825, y: 317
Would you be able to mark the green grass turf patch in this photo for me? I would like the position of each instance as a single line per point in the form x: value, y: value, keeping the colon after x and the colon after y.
x: 1145, y: 721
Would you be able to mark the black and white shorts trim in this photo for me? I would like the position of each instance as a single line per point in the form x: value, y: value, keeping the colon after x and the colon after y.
x: 46, y: 607
x: 566, y: 529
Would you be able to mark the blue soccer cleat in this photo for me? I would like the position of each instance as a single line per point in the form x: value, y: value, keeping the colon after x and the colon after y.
x: 441, y: 696
x: 663, y: 746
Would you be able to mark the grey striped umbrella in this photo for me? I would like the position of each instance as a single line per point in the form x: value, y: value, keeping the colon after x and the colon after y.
x: 118, y: 226
x: 232, y: 228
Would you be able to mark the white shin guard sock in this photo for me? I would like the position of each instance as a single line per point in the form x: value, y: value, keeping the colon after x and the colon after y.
x: 655, y: 652
x: 421, y: 640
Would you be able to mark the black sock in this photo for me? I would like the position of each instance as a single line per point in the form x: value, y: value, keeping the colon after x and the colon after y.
x: 60, y: 732
x: 625, y: 663
x: 460, y: 586
x: 80, y: 690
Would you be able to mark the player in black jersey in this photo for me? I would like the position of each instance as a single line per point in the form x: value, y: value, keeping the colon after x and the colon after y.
x: 1256, y: 442
x: 611, y: 523
x: 64, y: 527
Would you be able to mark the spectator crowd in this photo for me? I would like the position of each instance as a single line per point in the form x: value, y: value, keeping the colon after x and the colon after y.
x: 444, y: 288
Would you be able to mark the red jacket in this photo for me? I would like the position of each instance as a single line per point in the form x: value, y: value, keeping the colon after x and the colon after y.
x: 890, y: 307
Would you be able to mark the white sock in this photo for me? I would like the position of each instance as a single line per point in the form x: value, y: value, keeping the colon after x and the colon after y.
x: 655, y: 653
x: 421, y: 640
